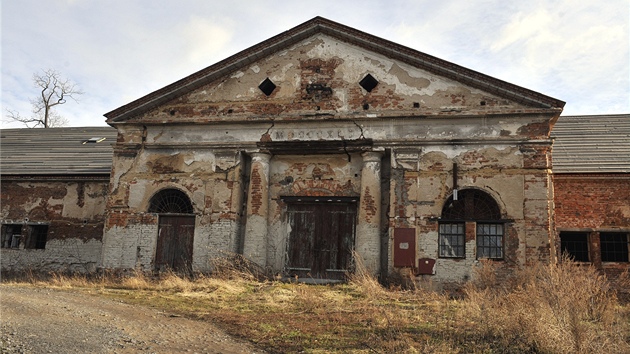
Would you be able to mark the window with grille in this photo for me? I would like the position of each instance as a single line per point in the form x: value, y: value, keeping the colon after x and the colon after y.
x: 472, y: 205
x: 614, y: 246
x: 452, y: 240
x: 575, y: 245
x: 170, y: 201
x: 11, y: 236
x: 37, y: 237
x: 490, y: 241
x: 34, y: 238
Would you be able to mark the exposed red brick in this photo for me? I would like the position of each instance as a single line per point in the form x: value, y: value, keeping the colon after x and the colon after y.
x: 588, y: 202
x: 256, y: 191
x: 369, y: 205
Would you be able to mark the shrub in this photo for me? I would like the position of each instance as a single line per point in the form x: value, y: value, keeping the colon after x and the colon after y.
x: 234, y: 266
x: 555, y: 308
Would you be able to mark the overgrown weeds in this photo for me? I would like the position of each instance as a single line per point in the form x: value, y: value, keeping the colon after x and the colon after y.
x: 556, y: 308
x: 561, y: 308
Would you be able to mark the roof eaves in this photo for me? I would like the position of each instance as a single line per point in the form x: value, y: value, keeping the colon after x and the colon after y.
x: 440, y: 66
x: 334, y: 29
x: 209, y: 74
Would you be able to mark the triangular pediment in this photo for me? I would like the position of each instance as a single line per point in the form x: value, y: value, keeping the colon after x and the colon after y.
x: 324, y: 68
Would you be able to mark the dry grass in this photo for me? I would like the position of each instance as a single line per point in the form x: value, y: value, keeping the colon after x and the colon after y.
x: 549, y: 309
x: 563, y: 308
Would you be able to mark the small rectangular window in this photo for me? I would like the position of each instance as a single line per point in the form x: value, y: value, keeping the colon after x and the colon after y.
x: 614, y: 246
x: 37, y: 237
x: 452, y: 240
x: 490, y: 241
x: 575, y: 245
x: 11, y: 236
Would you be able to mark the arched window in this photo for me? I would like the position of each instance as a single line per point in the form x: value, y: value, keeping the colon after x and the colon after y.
x: 476, y: 206
x: 170, y: 201
x: 471, y: 204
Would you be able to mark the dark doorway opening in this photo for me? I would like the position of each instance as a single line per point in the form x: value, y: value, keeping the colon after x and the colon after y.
x: 321, y: 237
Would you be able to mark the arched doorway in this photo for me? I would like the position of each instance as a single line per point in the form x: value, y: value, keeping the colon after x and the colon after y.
x: 176, y: 230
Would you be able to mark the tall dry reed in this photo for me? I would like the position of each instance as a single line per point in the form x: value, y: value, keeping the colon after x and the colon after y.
x: 555, y: 308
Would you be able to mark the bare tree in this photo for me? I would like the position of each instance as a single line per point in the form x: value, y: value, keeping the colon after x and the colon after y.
x: 54, y: 91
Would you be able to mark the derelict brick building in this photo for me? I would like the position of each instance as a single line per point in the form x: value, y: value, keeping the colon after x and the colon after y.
x: 53, y: 191
x: 592, y: 189
x: 325, y: 140
x: 315, y: 144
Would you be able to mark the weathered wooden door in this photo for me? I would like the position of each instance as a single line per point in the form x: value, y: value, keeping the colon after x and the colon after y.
x: 321, y: 239
x: 175, y: 243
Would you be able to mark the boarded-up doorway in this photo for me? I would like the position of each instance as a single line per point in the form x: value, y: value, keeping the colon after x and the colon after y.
x: 321, y: 237
x: 175, y: 243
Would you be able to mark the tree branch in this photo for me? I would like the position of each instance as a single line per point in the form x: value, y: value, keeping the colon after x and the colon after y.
x: 54, y: 91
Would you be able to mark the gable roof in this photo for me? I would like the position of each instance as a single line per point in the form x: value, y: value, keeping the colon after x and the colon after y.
x: 56, y: 151
x: 343, y: 33
x: 592, y: 144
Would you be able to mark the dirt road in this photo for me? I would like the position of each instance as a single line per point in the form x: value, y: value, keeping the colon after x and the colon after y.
x: 39, y: 320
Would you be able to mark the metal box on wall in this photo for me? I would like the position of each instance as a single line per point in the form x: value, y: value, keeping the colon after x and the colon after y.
x: 404, y: 247
x: 426, y: 266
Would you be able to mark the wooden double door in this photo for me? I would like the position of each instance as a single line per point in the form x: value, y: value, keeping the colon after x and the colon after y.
x: 321, y: 237
x: 175, y: 243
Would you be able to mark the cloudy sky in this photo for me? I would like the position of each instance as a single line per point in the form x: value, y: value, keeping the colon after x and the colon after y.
x: 119, y: 50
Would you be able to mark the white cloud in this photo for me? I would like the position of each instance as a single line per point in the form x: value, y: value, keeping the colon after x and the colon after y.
x: 118, y: 51
x: 204, y: 39
x: 575, y: 52
x: 525, y: 28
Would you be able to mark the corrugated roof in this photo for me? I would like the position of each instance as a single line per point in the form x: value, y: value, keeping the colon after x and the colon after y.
x: 56, y: 151
x: 583, y: 144
x: 592, y: 144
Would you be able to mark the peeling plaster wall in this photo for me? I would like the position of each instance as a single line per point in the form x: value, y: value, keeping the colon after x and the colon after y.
x: 74, y: 212
x: 423, y: 182
x: 210, y: 178
x: 336, y: 65
x: 419, y: 121
x: 310, y: 175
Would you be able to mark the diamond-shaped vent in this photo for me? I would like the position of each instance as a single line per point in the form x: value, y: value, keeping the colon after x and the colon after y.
x: 368, y: 83
x: 267, y: 87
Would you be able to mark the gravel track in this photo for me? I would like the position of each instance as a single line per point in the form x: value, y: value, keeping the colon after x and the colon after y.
x: 42, y: 320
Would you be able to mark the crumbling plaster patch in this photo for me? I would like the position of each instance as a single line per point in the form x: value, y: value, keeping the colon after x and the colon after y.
x: 94, y: 197
x: 356, y: 62
x: 401, y: 83
x: 122, y: 165
x: 48, y: 200
x: 442, y: 157
x: 177, y: 161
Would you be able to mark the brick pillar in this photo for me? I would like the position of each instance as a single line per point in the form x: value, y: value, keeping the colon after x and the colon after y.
x: 595, y: 249
x: 368, y: 244
x: 255, y: 245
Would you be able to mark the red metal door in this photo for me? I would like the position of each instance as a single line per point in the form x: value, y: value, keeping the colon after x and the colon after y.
x: 321, y: 239
x: 175, y: 243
